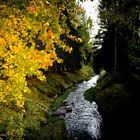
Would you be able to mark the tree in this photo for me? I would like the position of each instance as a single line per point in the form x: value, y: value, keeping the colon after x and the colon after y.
x: 29, y: 34
x: 77, y: 26
x: 118, y: 20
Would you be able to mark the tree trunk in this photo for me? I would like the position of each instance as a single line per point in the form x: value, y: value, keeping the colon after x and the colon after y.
x: 115, y: 60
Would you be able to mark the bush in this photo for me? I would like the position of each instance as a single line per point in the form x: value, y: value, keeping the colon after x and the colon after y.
x: 86, y: 71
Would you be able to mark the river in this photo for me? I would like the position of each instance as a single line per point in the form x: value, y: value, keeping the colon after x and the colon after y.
x: 81, y: 117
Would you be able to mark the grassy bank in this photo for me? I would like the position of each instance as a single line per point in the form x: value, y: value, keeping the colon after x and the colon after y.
x: 110, y: 93
x: 46, y: 97
x: 118, y: 107
x: 51, y: 93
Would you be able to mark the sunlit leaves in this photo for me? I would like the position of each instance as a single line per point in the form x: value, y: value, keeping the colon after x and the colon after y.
x: 20, y: 57
x: 32, y: 9
x: 29, y: 33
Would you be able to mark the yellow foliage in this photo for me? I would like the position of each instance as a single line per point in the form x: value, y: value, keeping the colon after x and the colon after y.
x: 19, y: 56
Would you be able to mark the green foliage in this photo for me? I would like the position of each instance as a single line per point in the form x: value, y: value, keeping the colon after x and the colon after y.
x: 33, y: 118
x: 118, y: 12
x: 86, y: 71
x: 11, y: 123
x: 120, y: 24
x: 73, y: 78
x: 87, y: 42
x: 58, y: 101
x: 79, y: 38
x: 55, y: 129
x: 135, y: 61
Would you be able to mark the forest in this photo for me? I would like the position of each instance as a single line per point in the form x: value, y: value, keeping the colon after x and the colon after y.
x: 46, y: 49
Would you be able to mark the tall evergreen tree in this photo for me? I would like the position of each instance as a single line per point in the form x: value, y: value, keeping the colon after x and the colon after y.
x: 120, y: 25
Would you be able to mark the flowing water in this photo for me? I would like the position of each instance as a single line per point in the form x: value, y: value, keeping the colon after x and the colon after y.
x: 81, y: 117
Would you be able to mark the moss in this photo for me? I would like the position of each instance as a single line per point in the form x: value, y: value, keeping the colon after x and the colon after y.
x: 86, y: 71
x: 59, y: 101
x: 89, y: 95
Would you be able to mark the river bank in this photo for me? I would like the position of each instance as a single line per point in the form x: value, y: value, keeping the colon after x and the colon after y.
x: 48, y: 97
x: 82, y: 118
x: 119, y: 107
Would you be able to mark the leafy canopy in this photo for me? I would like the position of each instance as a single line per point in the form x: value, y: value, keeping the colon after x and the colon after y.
x: 29, y: 32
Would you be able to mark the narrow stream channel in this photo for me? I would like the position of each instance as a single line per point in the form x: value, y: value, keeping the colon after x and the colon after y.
x: 81, y: 117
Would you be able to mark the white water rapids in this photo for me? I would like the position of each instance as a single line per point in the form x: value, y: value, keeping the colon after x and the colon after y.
x: 81, y: 117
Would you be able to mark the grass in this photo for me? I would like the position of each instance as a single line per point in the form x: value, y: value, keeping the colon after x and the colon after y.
x: 58, y: 102
x: 50, y: 94
x: 45, y: 97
